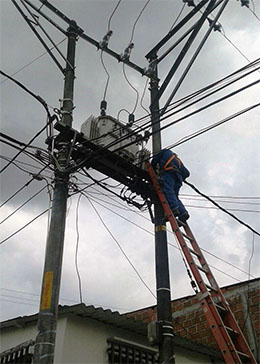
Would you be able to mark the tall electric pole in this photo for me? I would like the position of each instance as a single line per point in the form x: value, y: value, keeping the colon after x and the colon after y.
x: 48, y: 314
x: 164, y: 311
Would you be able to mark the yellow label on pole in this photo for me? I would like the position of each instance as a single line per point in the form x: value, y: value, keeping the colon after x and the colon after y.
x: 160, y: 228
x: 47, y: 291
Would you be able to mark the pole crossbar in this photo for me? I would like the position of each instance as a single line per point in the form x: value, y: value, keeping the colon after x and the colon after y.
x: 80, y: 32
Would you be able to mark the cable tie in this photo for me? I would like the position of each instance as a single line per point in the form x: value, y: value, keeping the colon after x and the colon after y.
x: 127, y: 52
x: 104, y: 42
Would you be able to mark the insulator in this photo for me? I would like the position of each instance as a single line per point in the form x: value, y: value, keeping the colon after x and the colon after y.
x: 131, y: 119
x: 103, y: 107
x: 104, y: 42
x: 126, y: 55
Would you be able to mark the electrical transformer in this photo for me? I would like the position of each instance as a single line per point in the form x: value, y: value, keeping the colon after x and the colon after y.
x: 106, y: 130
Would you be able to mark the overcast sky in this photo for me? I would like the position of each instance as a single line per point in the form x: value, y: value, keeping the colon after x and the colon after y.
x: 222, y: 162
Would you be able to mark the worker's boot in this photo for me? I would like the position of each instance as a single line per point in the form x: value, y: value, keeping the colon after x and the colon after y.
x: 183, y: 217
x: 175, y: 212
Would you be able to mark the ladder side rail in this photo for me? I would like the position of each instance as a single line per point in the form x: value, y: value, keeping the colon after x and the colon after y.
x: 218, y: 295
x: 177, y: 230
x: 229, y: 320
x: 217, y: 325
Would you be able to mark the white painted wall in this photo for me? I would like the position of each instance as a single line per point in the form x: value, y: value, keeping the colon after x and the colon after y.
x: 81, y: 340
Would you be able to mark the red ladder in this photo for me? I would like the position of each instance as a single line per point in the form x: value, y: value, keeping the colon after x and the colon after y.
x: 222, y: 323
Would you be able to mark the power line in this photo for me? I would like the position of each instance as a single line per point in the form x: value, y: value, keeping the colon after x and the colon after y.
x: 36, y: 97
x: 18, y: 208
x: 111, y: 16
x: 35, y: 177
x: 118, y: 244
x: 62, y: 299
x: 31, y: 62
x: 198, y: 199
x: 222, y: 209
x: 230, y: 197
x: 77, y: 249
x: 176, y: 247
x: 216, y: 208
x: 23, y: 227
x: 136, y: 21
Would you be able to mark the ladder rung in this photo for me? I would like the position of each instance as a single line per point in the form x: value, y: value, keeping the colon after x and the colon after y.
x: 243, y: 354
x: 220, y: 308
x: 210, y: 287
x: 194, y: 252
x: 230, y: 330
x: 187, y: 237
x: 202, y: 269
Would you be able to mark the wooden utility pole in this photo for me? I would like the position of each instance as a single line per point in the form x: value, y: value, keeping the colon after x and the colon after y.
x: 164, y: 311
x: 48, y: 314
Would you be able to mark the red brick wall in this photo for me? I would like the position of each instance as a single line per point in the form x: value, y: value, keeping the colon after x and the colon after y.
x: 189, y: 320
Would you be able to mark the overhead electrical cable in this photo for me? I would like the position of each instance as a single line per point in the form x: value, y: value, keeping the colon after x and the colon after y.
x: 230, y: 197
x: 111, y: 16
x: 133, y: 88
x: 170, y: 231
x: 198, y: 199
x: 19, y: 163
x: 136, y: 21
x: 77, y: 249
x: 21, y: 206
x: 43, y: 102
x: 39, y: 158
x: 31, y: 62
x: 206, y: 129
x: 118, y: 244
x: 35, y: 177
x: 189, y: 97
x: 29, y: 22
x: 147, y: 125
x: 107, y: 73
x: 23, y: 227
x: 178, y: 16
x: 228, y: 209
x: 222, y: 209
x: 174, y: 122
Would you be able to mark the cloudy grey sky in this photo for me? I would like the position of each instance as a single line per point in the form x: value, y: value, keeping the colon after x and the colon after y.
x: 222, y: 162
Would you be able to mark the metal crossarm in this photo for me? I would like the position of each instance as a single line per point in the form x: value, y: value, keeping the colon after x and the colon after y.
x: 223, y: 325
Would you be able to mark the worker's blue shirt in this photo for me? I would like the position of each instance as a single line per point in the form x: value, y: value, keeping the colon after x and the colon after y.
x: 179, y: 169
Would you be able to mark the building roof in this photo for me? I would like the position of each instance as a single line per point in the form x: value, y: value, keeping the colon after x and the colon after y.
x: 109, y: 317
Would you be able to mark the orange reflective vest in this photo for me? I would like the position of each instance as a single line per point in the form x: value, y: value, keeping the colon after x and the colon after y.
x: 166, y: 167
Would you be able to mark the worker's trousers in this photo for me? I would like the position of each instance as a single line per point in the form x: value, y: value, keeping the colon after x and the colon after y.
x: 171, y: 187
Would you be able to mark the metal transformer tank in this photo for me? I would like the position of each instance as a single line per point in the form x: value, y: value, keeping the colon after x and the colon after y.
x: 106, y: 130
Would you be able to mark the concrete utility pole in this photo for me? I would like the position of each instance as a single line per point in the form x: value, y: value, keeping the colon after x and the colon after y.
x: 164, y: 311
x: 47, y: 320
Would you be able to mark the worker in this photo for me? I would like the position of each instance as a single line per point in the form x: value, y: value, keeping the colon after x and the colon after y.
x: 172, y: 173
